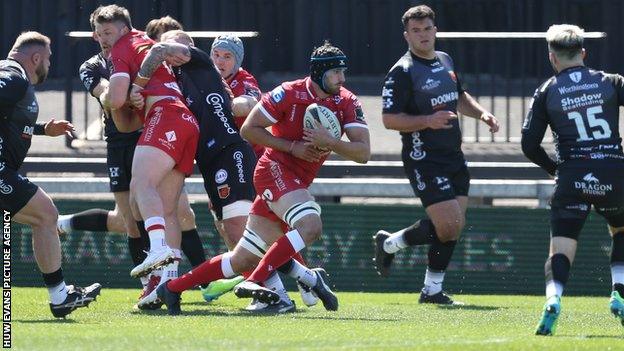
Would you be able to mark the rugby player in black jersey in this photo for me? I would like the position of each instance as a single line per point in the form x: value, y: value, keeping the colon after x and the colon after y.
x: 26, y: 65
x: 581, y: 106
x: 421, y: 96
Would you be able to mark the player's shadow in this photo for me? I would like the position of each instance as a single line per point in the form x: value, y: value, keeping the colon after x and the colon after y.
x: 45, y: 321
x: 471, y: 307
x: 590, y: 336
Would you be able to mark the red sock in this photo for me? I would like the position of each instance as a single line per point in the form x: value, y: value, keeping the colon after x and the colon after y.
x: 299, y: 258
x: 278, y: 254
x: 203, y: 274
x: 246, y: 274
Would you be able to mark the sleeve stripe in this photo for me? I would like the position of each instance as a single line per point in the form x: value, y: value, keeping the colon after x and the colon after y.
x: 267, y: 114
x: 356, y: 125
x: 120, y: 74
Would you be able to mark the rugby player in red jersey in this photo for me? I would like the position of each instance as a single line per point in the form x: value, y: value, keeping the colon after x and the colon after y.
x: 282, y: 177
x: 164, y: 154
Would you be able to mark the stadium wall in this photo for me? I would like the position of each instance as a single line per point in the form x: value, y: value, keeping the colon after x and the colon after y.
x: 502, y: 251
x: 369, y: 31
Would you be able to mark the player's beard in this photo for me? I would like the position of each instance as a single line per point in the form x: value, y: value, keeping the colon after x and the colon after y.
x: 41, y: 72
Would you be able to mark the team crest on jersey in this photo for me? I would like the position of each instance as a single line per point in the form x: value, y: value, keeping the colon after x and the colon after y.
x: 234, y: 84
x: 359, y: 114
x: 337, y: 99
x: 576, y: 76
x: 277, y: 94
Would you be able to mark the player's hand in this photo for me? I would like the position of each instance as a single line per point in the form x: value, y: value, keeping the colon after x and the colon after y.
x: 307, y: 152
x: 136, y: 99
x: 319, y: 137
x: 491, y: 121
x: 55, y: 128
x: 441, y: 120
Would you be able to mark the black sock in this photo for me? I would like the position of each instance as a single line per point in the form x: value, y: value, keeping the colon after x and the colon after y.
x: 420, y: 233
x: 93, y: 220
x: 192, y: 247
x: 137, y: 249
x: 617, y: 248
x: 619, y: 288
x: 53, y: 279
x: 557, y: 268
x: 286, y: 267
x: 440, y: 254
x: 144, y: 234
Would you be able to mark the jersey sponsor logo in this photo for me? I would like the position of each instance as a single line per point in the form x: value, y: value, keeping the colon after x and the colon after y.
x: 420, y: 185
x: 580, y: 101
x: 277, y: 94
x: 590, y: 185
x: 189, y: 101
x: 276, y: 172
x: 86, y: 80
x: 430, y: 84
x: 443, y: 183
x: 223, y: 191
x: 238, y: 157
x: 171, y: 136
x: 417, y: 153
x: 211, y: 143
x: 444, y: 98
x: 216, y: 100
x: 33, y: 107
x: 28, y: 132
x: 113, y: 172
x: 575, y: 88
x: 267, y: 195
x: 359, y: 114
x: 5, y: 189
x: 575, y: 76
x: 2, y: 166
x: 581, y: 207
x: 221, y: 176
x: 438, y: 69
x: 301, y: 95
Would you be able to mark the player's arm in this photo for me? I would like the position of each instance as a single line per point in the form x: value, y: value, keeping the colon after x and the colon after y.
x: 396, y: 93
x: 12, y: 89
x: 254, y: 130
x: 242, y: 105
x: 174, y: 53
x: 468, y: 106
x: 533, y: 131
x: 357, y: 149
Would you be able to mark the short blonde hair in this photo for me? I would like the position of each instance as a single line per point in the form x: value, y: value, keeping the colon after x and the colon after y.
x: 27, y: 39
x: 177, y: 34
x: 565, y: 40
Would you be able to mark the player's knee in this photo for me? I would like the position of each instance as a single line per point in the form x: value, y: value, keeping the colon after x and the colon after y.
x: 243, y: 261
x: 310, y: 228
x: 186, y: 217
x: 449, y: 229
x: 46, y: 216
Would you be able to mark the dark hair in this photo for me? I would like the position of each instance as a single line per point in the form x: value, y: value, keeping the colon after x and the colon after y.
x: 157, y: 27
x: 27, y: 39
x: 327, y: 50
x: 417, y: 12
x: 112, y: 13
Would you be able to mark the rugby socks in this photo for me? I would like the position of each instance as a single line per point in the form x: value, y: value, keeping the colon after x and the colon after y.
x: 155, y: 227
x: 56, y: 286
x: 296, y: 270
x: 218, y: 267
x: 440, y: 254
x: 419, y: 233
x: 433, y: 282
x: 278, y: 254
x: 137, y: 250
x: 557, y: 270
x: 192, y: 247
x: 144, y: 234
x: 617, y: 263
x: 94, y: 220
x: 275, y: 283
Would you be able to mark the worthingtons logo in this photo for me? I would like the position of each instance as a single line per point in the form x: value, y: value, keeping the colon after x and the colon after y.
x: 590, y: 185
x: 574, y: 88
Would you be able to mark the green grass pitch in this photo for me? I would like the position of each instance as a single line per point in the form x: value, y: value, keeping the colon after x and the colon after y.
x: 365, y: 321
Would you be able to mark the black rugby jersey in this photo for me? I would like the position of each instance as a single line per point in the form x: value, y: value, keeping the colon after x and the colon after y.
x: 581, y: 106
x: 91, y: 72
x: 418, y: 86
x: 18, y: 113
x: 205, y: 94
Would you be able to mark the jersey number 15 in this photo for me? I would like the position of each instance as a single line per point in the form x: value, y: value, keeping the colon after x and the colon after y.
x: 593, y: 121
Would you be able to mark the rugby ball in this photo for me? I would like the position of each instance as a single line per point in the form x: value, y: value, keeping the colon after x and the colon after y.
x: 323, y: 116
